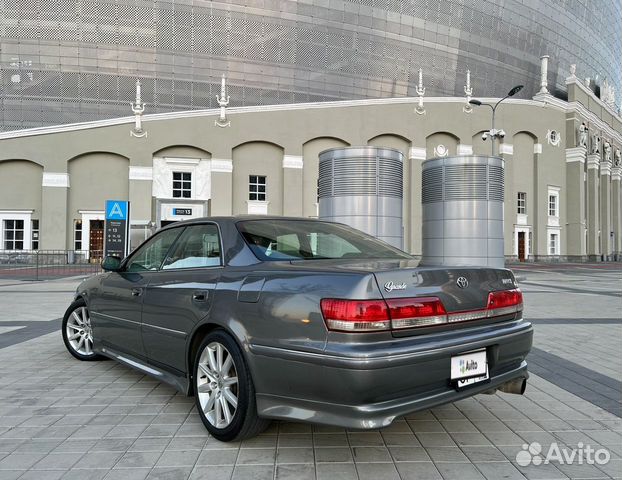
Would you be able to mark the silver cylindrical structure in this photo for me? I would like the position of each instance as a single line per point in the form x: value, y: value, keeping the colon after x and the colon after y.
x: 362, y: 187
x: 462, y: 211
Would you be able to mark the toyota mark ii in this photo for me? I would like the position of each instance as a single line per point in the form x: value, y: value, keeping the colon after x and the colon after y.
x: 280, y: 318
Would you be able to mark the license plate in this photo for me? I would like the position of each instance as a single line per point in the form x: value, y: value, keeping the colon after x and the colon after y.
x: 465, y: 382
x: 469, y: 365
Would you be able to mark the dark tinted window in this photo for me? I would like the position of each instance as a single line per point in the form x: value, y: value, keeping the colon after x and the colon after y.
x: 310, y: 240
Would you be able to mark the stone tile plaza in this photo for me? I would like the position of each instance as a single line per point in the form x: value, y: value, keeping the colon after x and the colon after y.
x: 60, y: 418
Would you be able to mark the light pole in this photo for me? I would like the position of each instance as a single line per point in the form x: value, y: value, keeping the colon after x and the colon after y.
x: 496, y: 133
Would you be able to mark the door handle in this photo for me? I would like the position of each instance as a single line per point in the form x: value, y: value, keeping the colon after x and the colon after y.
x: 199, y: 296
x: 137, y: 292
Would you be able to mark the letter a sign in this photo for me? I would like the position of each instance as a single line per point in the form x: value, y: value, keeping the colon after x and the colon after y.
x: 117, y: 228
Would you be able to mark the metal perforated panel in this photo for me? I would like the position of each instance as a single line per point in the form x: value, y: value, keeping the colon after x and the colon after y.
x: 462, y: 214
x: 362, y: 187
x: 292, y: 51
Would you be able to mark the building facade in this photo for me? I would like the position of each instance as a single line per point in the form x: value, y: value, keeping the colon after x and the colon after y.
x: 562, y: 168
x: 67, y: 61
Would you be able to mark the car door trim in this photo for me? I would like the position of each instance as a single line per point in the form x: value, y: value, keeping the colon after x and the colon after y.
x: 170, y: 330
x: 112, y: 317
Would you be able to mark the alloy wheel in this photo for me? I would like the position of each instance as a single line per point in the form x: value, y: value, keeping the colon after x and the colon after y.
x: 217, y: 385
x: 79, y: 332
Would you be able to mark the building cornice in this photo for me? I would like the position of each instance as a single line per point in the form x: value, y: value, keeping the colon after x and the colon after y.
x: 240, y: 110
x: 53, y: 179
x: 591, y: 117
x: 593, y: 161
x: 292, y: 161
x: 576, y: 154
x: 222, y: 165
x: 577, y: 82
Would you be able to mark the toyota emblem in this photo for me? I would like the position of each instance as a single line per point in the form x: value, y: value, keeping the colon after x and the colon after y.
x: 462, y: 282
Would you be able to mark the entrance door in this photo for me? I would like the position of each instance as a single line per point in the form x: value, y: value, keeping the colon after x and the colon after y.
x: 521, y: 246
x: 96, y: 240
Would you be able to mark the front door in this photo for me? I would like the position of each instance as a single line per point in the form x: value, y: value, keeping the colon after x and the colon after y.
x: 180, y: 295
x: 117, y: 309
x: 521, y: 246
x: 96, y: 240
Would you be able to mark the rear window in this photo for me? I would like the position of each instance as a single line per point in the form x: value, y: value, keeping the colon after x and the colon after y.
x: 312, y: 240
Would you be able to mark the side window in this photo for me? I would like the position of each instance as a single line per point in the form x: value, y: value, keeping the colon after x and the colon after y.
x: 151, y: 255
x: 198, y: 246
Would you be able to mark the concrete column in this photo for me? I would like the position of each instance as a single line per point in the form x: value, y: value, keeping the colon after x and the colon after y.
x: 221, y: 202
x: 416, y: 155
x: 605, y: 211
x: 616, y: 211
x: 292, y: 185
x: 540, y: 207
x: 140, y: 193
x: 53, y: 225
x: 506, y: 151
x: 576, y: 247
x: 593, y: 213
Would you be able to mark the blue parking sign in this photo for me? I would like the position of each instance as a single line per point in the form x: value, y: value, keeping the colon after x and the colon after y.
x: 116, y: 210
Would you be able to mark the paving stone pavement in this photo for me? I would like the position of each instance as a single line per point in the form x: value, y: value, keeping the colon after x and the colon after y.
x: 61, y: 418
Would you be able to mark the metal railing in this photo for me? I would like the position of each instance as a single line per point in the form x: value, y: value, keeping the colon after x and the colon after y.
x: 48, y: 264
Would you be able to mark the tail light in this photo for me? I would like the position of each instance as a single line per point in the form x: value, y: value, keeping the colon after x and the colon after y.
x: 401, y: 313
x: 355, y: 315
x: 416, y: 312
x: 504, y: 302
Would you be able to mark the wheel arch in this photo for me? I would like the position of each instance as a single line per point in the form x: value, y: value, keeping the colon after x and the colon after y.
x: 195, y: 341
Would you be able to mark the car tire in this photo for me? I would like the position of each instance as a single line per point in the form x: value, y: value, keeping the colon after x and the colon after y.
x: 224, y: 391
x: 77, y: 333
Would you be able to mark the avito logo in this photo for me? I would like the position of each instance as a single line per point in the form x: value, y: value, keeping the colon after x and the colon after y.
x: 467, y: 366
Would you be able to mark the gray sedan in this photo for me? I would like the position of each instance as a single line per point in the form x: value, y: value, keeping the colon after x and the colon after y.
x: 281, y: 318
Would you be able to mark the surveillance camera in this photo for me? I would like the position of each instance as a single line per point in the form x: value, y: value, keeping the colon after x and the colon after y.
x: 501, y: 133
x: 484, y: 136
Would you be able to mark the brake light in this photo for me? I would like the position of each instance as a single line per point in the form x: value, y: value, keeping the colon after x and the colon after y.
x: 355, y: 315
x: 400, y: 313
x: 416, y: 312
x: 504, y: 302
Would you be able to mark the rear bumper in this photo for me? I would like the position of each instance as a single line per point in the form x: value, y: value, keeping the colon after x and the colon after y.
x: 370, y: 390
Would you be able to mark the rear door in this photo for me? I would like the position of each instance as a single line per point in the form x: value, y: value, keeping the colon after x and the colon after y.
x: 180, y: 295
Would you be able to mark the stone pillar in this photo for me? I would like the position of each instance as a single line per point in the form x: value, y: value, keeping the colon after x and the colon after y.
x: 539, y: 244
x: 221, y: 202
x: 605, y: 211
x: 576, y: 248
x: 593, y: 213
x: 544, y: 72
x: 53, y: 224
x: 616, y: 211
x: 141, y: 204
x: 416, y: 155
x: 292, y: 185
x: 506, y: 151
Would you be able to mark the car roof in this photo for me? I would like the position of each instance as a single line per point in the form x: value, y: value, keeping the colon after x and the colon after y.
x: 235, y: 219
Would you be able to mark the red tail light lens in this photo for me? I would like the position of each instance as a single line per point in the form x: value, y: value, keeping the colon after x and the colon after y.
x: 504, y: 302
x: 355, y: 315
x: 416, y: 312
x: 400, y: 313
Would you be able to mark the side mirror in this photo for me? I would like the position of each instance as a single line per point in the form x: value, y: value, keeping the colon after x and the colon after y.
x: 111, y: 263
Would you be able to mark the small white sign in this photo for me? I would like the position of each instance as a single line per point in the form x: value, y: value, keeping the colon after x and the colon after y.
x: 469, y: 364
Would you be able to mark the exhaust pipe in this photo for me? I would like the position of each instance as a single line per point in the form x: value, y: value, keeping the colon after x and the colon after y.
x: 517, y: 386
